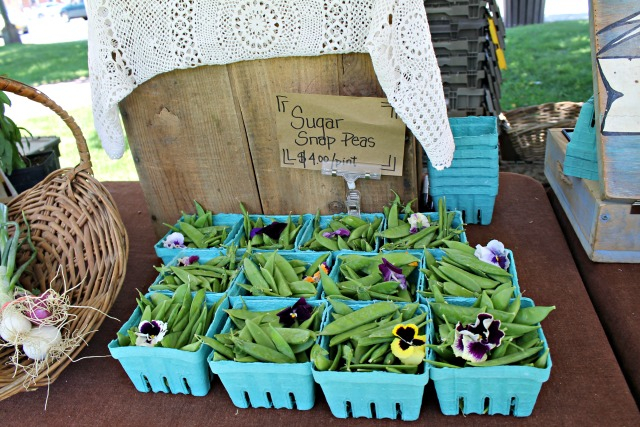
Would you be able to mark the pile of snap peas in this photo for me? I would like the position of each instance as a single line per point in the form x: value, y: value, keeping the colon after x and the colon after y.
x: 285, y: 240
x: 186, y: 316
x: 270, y: 274
x: 361, y: 236
x: 260, y: 337
x: 198, y: 229
x: 521, y: 344
x: 214, y: 275
x: 361, y: 278
x: 398, y: 234
x: 461, y: 274
x: 359, y: 340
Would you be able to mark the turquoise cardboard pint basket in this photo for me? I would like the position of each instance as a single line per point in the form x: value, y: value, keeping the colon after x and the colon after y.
x: 374, y: 394
x: 307, y: 233
x: 266, y: 385
x: 307, y: 257
x: 268, y: 219
x: 413, y: 279
x: 470, y: 184
x: 433, y: 219
x: 168, y: 370
x: 505, y: 390
x: 202, y: 258
x: 233, y: 221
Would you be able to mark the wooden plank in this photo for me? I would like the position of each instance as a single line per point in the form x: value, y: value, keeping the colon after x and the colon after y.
x: 255, y: 84
x: 358, y: 79
x: 615, y: 38
x: 188, y: 143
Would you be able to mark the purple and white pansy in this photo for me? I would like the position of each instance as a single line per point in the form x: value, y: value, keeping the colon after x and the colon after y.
x: 418, y: 221
x: 392, y: 273
x: 474, y: 341
x: 174, y: 240
x: 493, y: 253
x: 343, y: 232
x: 150, y: 332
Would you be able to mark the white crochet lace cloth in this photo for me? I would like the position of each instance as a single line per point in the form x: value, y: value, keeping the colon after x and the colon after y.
x: 131, y: 41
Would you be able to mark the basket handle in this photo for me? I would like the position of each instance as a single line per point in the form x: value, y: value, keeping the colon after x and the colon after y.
x: 13, y: 86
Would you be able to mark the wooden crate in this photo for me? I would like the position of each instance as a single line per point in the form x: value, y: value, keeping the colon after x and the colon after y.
x: 607, y: 229
x: 209, y: 134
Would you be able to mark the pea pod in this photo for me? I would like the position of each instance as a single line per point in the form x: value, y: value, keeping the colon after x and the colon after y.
x: 262, y: 353
x: 359, y: 317
x: 532, y: 315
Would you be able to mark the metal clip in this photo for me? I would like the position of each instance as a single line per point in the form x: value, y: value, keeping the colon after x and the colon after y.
x: 351, y: 173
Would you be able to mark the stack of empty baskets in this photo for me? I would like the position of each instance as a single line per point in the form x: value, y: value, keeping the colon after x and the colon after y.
x: 468, y: 38
x: 470, y: 184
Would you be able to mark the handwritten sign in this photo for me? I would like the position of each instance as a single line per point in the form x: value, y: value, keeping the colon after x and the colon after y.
x: 344, y: 130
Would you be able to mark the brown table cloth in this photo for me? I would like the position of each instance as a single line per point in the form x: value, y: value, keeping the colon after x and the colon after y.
x: 614, y: 291
x: 586, y: 385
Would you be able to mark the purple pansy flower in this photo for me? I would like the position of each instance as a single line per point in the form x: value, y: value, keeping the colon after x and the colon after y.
x: 392, y: 273
x: 339, y: 232
x: 188, y: 260
x: 473, y: 342
x: 299, y: 311
x: 173, y: 241
x: 150, y: 332
x: 418, y: 221
x: 493, y: 253
x: 272, y: 230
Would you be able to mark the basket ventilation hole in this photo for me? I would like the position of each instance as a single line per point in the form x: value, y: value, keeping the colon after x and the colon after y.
x: 479, y: 216
x: 347, y: 407
x: 464, y: 215
x: 186, y: 385
x: 487, y: 404
x: 514, y: 405
x: 398, y: 410
x: 373, y: 410
x: 270, y: 400
x: 461, y: 403
x: 166, y: 383
x: 292, y: 398
x: 246, y: 399
x: 146, y: 382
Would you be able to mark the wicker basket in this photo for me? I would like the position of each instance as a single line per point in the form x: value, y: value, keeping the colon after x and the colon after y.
x: 79, y: 236
x: 526, y: 127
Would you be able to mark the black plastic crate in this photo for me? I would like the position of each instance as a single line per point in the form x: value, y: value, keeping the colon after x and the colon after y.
x: 447, y: 30
x: 456, y: 12
x: 480, y: 111
x: 461, y: 63
x: 474, y: 80
x: 465, y: 98
x: 444, y: 48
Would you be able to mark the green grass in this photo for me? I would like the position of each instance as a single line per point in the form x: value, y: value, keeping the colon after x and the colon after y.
x: 36, y: 64
x: 547, y: 63
x: 104, y: 168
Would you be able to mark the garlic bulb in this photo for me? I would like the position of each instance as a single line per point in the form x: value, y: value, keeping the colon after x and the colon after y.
x: 38, y: 341
x: 13, y: 325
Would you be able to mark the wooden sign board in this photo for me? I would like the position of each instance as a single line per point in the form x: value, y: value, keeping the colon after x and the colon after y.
x: 343, y: 130
x: 615, y: 38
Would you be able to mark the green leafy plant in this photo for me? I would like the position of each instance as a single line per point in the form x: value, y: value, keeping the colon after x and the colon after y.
x: 10, y: 140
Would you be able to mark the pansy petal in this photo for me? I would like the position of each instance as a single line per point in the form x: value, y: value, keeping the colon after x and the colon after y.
x: 342, y: 232
x: 287, y: 317
x: 275, y: 229
x: 496, y: 246
x: 254, y: 231
x: 405, y: 332
x: 475, y: 352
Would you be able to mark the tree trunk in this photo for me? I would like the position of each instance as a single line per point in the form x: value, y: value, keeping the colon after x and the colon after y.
x: 9, y: 32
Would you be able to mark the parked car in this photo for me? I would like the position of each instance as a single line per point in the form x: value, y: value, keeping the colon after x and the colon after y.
x: 49, y: 9
x: 74, y: 9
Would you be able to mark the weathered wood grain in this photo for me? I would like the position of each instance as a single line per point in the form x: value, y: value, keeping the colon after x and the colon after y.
x: 188, y: 143
x: 615, y: 31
